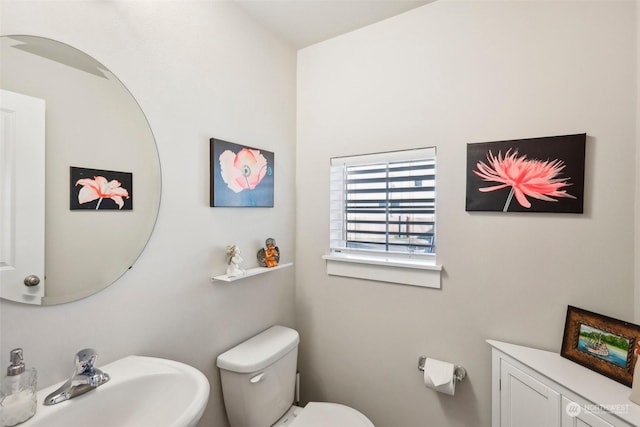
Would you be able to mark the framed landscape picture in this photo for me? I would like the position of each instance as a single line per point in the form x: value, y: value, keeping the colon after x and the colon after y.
x: 241, y: 176
x: 527, y: 175
x: 601, y: 343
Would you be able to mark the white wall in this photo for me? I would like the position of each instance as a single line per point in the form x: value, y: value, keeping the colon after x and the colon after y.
x: 198, y: 70
x: 637, y: 170
x: 448, y: 74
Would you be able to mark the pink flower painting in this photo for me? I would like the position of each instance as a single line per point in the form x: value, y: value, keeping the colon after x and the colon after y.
x: 525, y: 177
x: 240, y: 176
x: 243, y: 170
x: 98, y: 189
x: 531, y: 175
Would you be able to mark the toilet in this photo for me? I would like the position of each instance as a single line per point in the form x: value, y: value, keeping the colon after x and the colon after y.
x: 259, y: 382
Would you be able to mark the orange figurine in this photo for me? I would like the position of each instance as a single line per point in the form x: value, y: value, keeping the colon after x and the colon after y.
x: 269, y: 256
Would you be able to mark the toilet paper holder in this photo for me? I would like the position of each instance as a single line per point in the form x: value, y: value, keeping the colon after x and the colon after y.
x: 459, y: 373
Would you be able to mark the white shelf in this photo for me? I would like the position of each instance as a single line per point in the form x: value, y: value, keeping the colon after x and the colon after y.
x: 250, y: 272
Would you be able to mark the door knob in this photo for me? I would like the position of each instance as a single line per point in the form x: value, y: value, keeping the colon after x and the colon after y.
x: 31, y: 280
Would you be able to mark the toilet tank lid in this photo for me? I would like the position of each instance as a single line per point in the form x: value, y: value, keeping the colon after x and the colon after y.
x: 259, y: 351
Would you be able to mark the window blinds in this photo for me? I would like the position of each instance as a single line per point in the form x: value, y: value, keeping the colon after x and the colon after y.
x: 384, y: 202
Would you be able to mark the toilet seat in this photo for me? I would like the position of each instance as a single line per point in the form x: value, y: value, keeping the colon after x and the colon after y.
x: 323, y: 414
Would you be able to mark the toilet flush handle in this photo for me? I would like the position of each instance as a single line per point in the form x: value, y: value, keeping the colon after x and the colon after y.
x: 257, y: 378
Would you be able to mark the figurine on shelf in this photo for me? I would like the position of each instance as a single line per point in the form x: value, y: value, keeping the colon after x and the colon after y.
x: 233, y: 261
x: 270, y: 255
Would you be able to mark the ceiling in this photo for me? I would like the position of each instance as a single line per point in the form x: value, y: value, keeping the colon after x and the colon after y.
x: 306, y: 22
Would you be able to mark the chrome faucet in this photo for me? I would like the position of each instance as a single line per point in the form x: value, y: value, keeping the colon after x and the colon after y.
x: 85, y: 377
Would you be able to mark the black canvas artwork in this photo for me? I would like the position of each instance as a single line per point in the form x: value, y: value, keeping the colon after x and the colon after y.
x: 527, y: 175
x: 97, y: 189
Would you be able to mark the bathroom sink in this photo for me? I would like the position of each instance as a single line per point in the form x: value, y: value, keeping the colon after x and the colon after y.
x: 143, y: 391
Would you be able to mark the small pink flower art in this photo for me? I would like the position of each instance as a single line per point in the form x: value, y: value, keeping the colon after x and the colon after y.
x: 532, y: 175
x: 240, y: 176
x: 92, y: 188
x: 243, y: 170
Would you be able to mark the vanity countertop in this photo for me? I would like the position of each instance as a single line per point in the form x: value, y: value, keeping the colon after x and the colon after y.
x: 590, y: 385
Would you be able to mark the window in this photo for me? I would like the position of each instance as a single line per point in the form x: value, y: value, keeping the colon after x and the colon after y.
x: 384, y: 202
x: 383, y: 208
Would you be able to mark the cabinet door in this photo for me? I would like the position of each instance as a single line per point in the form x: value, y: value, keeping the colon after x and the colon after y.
x: 525, y: 401
x: 573, y: 415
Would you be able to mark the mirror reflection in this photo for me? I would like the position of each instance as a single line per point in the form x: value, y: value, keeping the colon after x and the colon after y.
x: 101, y: 179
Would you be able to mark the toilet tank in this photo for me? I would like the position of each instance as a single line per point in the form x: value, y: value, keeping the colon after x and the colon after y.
x: 258, y: 377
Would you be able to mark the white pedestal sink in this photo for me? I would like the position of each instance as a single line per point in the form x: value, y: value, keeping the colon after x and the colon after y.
x: 142, y: 392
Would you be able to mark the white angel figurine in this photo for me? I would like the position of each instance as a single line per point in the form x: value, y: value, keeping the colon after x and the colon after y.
x: 233, y: 261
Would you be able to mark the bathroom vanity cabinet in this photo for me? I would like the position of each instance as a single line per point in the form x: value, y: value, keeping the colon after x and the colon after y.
x: 533, y: 388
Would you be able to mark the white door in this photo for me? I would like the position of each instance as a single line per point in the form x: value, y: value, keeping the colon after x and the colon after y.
x: 22, y: 181
x: 526, y: 402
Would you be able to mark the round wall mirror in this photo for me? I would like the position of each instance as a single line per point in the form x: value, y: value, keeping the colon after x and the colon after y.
x: 102, y: 179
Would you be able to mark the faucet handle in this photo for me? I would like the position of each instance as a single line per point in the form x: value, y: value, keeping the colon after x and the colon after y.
x: 84, y: 361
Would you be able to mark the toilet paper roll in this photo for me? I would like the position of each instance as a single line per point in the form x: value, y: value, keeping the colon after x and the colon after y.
x: 438, y: 375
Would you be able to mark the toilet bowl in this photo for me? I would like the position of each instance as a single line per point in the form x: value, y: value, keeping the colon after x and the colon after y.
x: 324, y: 414
x: 258, y: 386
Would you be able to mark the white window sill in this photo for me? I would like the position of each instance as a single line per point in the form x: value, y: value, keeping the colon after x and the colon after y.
x: 406, y: 271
